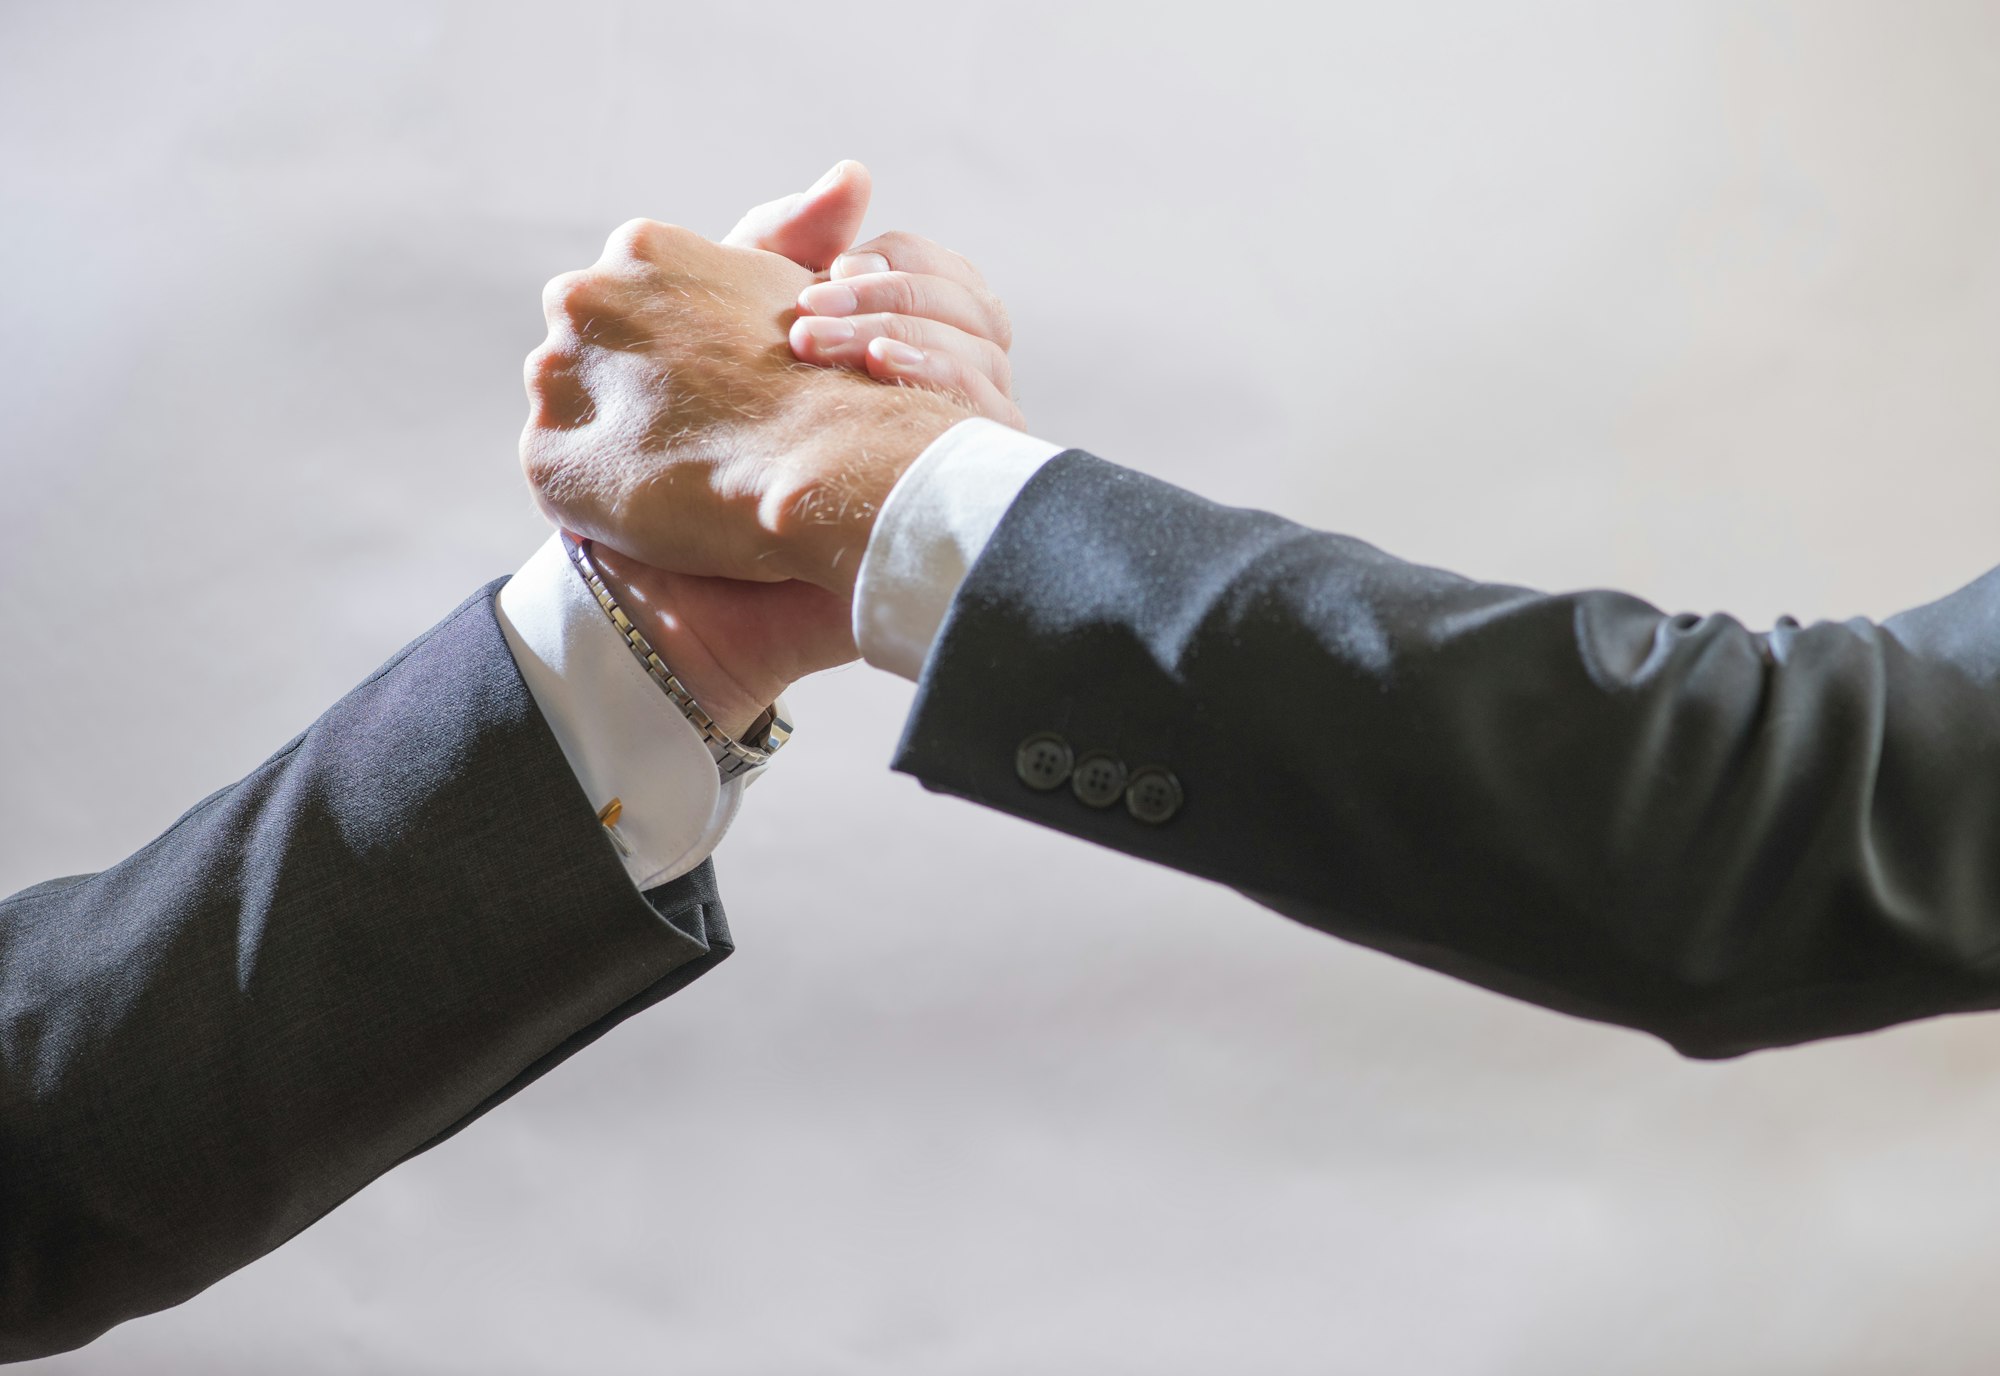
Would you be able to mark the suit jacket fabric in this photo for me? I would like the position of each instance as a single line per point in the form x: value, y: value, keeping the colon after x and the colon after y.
x: 400, y: 919
x: 1731, y: 840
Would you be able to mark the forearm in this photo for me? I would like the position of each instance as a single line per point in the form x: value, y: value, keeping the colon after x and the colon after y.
x: 1729, y: 839
x: 391, y: 925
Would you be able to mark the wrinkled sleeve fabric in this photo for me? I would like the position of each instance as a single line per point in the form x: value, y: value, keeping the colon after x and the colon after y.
x: 404, y: 916
x: 1730, y: 839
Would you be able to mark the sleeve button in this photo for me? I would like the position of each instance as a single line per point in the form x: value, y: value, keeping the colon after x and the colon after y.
x: 1099, y: 779
x: 1043, y: 761
x: 1153, y: 796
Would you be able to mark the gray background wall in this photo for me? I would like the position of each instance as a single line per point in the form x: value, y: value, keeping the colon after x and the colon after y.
x: 1698, y: 300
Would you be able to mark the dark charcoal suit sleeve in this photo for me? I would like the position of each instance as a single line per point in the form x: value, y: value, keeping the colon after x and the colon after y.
x: 400, y: 919
x: 1731, y: 840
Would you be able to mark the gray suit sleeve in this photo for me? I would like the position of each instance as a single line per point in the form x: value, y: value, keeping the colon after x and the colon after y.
x: 397, y: 921
x: 1732, y: 840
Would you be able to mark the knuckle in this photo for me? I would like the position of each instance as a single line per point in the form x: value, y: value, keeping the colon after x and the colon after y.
x: 999, y: 367
x: 568, y: 297
x: 999, y: 325
x: 558, y: 398
x: 906, y: 327
x: 965, y: 377
x: 533, y: 368
x: 897, y: 293
x: 634, y: 241
x: 984, y: 354
x: 545, y: 365
x: 896, y: 245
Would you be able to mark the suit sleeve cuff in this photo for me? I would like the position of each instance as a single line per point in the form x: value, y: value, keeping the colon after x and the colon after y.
x: 931, y: 530
x: 622, y: 737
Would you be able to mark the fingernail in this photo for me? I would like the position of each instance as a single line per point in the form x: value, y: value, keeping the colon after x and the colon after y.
x: 828, y: 298
x: 832, y: 176
x: 898, y: 355
x: 855, y: 264
x: 827, y: 333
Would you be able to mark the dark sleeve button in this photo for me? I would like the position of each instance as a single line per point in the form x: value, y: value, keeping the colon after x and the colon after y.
x: 1099, y: 779
x: 1043, y: 761
x: 1153, y: 796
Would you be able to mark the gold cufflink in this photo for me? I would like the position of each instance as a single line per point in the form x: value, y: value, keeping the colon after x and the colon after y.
x: 607, y: 817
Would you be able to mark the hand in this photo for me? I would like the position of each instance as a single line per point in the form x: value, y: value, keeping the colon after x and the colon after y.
x: 736, y: 646
x: 904, y: 310
x: 670, y: 421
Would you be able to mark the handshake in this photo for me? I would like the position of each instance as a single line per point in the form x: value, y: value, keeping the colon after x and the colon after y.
x: 1731, y: 841
x: 713, y: 419
x: 776, y: 452
x: 1671, y: 823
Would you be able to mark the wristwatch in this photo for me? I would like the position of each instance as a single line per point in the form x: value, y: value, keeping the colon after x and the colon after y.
x: 732, y: 755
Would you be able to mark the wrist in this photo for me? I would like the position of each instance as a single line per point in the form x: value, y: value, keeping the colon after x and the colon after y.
x: 732, y: 696
x: 823, y: 512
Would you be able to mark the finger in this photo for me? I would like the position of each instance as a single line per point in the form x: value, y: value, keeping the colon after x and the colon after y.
x: 891, y: 360
x: 580, y: 308
x: 567, y: 303
x: 911, y: 293
x: 842, y: 342
x: 898, y: 251
x: 809, y: 227
x: 557, y: 397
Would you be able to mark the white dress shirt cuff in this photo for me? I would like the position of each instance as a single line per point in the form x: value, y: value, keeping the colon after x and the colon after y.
x: 622, y: 736
x: 930, y: 532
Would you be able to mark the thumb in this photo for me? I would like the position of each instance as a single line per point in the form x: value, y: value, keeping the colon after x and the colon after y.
x: 811, y: 227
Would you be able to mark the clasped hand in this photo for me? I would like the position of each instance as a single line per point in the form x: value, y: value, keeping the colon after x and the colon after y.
x: 713, y: 417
